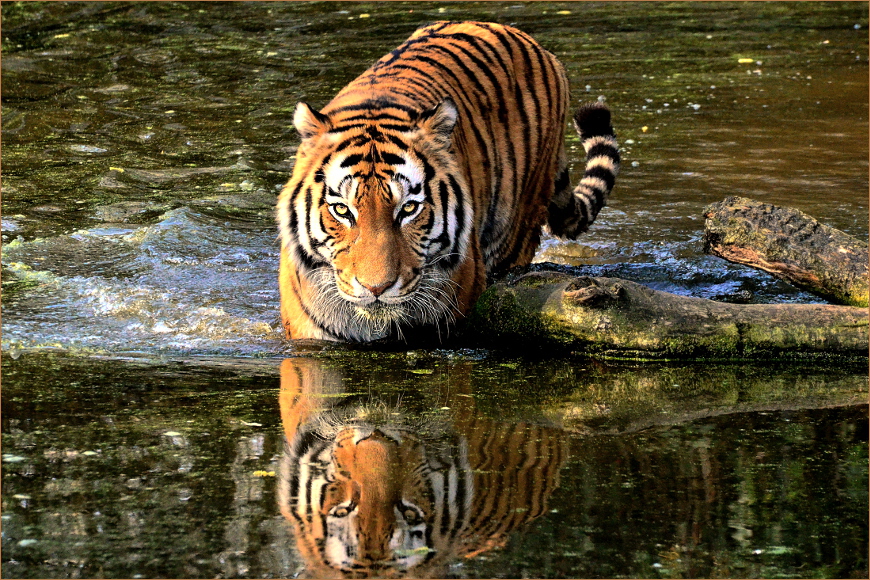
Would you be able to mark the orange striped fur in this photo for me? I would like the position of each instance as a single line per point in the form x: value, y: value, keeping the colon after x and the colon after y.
x: 371, y: 492
x: 435, y: 169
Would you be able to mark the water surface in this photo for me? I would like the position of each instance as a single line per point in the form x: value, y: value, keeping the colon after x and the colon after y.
x: 143, y: 148
x: 136, y: 469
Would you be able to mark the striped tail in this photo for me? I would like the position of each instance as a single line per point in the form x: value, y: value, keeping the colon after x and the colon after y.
x: 571, y: 213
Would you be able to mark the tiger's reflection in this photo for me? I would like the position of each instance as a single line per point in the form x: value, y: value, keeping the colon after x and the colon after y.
x: 373, y: 492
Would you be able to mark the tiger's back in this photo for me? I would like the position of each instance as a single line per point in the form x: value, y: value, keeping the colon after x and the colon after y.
x: 512, y: 97
x: 433, y: 171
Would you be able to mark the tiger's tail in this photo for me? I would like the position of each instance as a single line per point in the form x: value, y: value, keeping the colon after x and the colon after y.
x: 572, y: 212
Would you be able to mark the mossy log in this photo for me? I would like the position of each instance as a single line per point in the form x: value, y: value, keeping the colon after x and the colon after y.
x: 790, y: 245
x: 610, y: 317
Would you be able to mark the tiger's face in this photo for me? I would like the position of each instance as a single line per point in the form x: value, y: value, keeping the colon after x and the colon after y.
x: 375, y: 513
x: 377, y: 214
x: 367, y: 506
x: 375, y: 221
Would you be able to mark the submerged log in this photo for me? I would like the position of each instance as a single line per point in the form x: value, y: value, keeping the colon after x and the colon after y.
x: 610, y: 317
x: 790, y: 245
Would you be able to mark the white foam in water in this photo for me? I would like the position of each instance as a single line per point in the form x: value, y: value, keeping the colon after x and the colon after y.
x: 197, y: 287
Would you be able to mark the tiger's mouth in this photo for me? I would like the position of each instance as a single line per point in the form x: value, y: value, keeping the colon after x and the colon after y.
x: 427, y: 300
x: 378, y: 302
x: 379, y: 311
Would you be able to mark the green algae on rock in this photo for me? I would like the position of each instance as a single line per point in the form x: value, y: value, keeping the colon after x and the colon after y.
x: 610, y: 317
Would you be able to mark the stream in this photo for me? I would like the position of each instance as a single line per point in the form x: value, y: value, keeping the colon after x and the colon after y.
x: 153, y: 416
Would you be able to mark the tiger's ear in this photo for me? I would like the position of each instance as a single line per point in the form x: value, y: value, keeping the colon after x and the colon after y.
x: 439, y: 120
x: 309, y: 122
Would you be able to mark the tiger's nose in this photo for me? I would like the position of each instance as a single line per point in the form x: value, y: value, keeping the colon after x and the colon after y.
x: 377, y: 290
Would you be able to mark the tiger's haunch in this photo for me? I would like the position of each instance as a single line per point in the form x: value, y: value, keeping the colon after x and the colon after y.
x: 436, y: 168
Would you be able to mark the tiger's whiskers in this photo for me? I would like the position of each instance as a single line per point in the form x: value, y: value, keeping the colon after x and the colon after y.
x: 433, y: 302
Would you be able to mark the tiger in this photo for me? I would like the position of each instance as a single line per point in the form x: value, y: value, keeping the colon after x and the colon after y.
x: 370, y: 491
x: 428, y: 176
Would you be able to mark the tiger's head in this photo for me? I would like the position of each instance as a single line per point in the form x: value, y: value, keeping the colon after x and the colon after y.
x: 369, y: 501
x: 374, y: 216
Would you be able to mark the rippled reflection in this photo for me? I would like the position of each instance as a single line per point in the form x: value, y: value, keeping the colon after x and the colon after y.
x: 371, y: 490
x: 124, y: 468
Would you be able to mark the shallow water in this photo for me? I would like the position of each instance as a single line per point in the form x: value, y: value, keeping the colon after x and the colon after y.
x: 143, y: 148
x: 136, y: 469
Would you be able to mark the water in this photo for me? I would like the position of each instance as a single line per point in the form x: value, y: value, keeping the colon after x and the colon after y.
x: 143, y: 148
x: 125, y: 468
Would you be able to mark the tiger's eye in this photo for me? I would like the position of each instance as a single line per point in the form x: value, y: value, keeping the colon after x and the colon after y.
x: 410, y: 207
x: 341, y: 512
x: 410, y: 515
x: 340, y: 209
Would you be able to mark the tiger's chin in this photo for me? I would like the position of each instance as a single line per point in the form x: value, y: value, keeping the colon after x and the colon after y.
x: 431, y: 303
x: 379, y: 311
x: 381, y: 317
x: 387, y: 320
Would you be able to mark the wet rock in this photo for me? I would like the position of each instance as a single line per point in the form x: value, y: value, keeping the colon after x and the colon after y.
x: 790, y: 245
x: 615, y: 318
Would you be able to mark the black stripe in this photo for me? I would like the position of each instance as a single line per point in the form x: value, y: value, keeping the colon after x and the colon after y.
x: 433, y: 81
x: 443, y: 239
x: 584, y: 213
x: 543, y: 63
x: 605, y: 149
x: 476, y: 42
x: 378, y: 103
x: 352, y: 160
x: 459, y: 195
x: 380, y: 115
x: 306, y: 219
x: 486, y: 235
x: 428, y: 225
x: 291, y: 209
x: 307, y: 261
x: 461, y: 493
x: 471, y: 77
x: 392, y: 158
x: 397, y: 141
x: 445, y: 509
x: 344, y: 128
x: 530, y: 70
x: 423, y: 87
x: 483, y: 67
x: 601, y: 173
x: 317, y: 243
x: 394, y: 127
x: 457, y: 96
x: 533, y: 93
x: 411, y: 42
x: 353, y: 141
x: 428, y: 174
